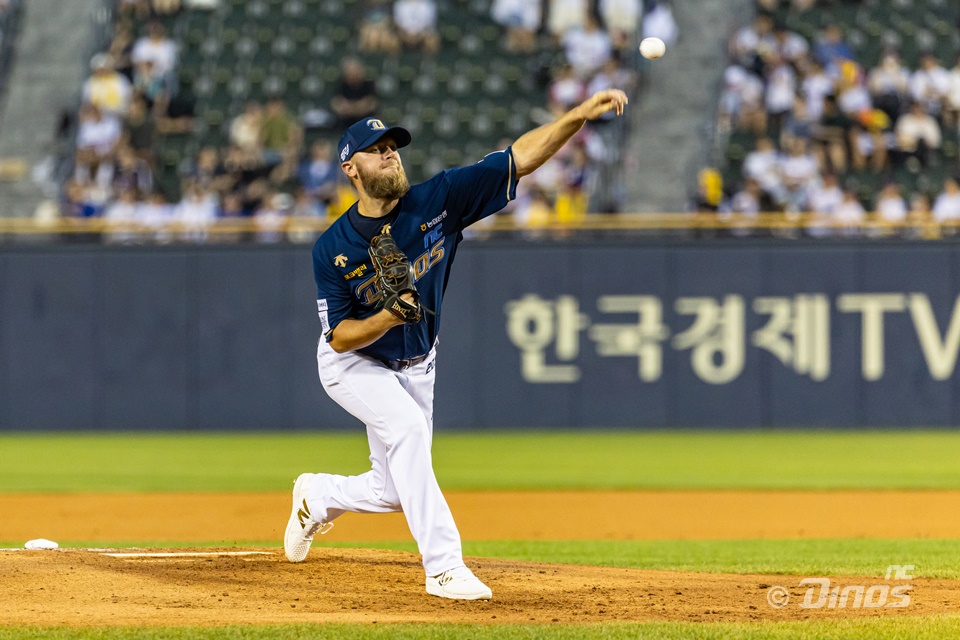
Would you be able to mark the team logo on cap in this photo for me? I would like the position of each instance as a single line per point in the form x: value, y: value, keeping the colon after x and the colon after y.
x: 345, y: 153
x: 375, y: 124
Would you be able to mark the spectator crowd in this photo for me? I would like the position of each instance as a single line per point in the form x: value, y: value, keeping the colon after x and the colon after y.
x: 266, y: 171
x: 834, y: 137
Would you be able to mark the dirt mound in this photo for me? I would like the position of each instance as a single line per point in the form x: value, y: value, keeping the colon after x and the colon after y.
x: 91, y: 587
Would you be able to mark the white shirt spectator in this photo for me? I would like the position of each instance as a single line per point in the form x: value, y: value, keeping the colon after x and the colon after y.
x: 930, y: 84
x: 854, y: 99
x: 816, y: 86
x: 891, y: 207
x: 746, y: 202
x: 826, y: 197
x: 415, y: 16
x: 659, y: 23
x: 162, y: 52
x: 100, y: 134
x: 619, y: 14
x: 850, y: 211
x: 953, y: 88
x: 947, y: 205
x: 781, y: 89
x: 763, y: 165
x: 565, y: 15
x: 587, y: 48
x: 890, y: 77
x: 788, y: 45
x: 912, y: 127
x: 520, y: 14
x: 106, y: 89
x: 799, y: 170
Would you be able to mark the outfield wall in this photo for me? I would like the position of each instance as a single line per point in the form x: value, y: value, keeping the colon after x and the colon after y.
x: 534, y: 334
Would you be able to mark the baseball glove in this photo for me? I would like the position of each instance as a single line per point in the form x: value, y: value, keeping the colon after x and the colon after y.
x: 394, y: 275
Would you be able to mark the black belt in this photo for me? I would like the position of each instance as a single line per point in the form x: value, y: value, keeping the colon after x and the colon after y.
x: 400, y: 365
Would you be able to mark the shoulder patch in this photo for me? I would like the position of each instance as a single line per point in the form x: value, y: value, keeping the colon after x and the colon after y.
x: 340, y: 260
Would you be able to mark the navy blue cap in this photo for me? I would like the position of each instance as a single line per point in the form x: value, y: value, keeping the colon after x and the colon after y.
x: 364, y: 133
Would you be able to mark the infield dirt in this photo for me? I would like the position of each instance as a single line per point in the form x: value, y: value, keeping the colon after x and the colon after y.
x: 86, y: 587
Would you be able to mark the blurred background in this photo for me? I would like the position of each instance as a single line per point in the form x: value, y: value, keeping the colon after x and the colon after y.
x: 767, y: 237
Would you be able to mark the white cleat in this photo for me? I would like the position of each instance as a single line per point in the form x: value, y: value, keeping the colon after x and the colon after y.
x: 301, y: 527
x: 458, y: 584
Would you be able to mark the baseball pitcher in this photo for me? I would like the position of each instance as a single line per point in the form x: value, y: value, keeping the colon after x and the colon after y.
x: 381, y: 270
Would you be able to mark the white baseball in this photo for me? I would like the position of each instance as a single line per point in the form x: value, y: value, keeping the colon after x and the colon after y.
x: 652, y: 48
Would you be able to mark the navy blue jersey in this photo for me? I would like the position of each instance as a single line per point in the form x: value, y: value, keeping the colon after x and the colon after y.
x: 427, y: 228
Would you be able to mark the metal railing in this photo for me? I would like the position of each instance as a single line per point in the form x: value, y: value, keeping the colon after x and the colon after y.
x: 303, y: 229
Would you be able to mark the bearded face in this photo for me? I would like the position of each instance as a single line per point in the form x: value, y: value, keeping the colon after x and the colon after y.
x: 388, y: 185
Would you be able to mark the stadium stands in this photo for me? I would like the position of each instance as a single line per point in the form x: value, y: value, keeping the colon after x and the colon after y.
x: 840, y: 77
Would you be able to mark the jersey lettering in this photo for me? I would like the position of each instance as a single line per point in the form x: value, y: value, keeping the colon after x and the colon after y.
x: 429, y: 258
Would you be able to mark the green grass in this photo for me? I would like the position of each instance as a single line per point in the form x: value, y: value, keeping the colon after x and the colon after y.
x: 932, y: 558
x: 931, y: 628
x: 498, y: 460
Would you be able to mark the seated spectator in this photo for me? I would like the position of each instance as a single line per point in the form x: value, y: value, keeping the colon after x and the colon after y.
x: 376, y: 32
x: 916, y: 135
x: 156, y: 214
x: 97, y: 139
x: 416, y: 22
x: 280, y: 138
x: 830, y: 136
x: 131, y: 173
x: 786, y: 45
x: 522, y: 20
x: 587, y: 48
x: 156, y: 47
x: 830, y: 50
x: 82, y: 200
x: 107, y: 89
x: 319, y: 175
x: 196, y: 212
x: 889, y: 85
x: 870, y: 136
x: 747, y: 42
x: 140, y: 130
x: 741, y: 101
x: 151, y: 86
x: 763, y: 165
x: 271, y: 216
x: 951, y: 109
x: 891, y: 207
x: 930, y: 85
x: 850, y: 214
x: 659, y: 22
x: 245, y: 131
x: 780, y: 93
x: 799, y: 174
x: 208, y: 174
x: 748, y: 201
x: 946, y: 208
x: 826, y: 196
x: 122, y: 216
x: 622, y: 21
x: 920, y: 219
x: 815, y: 86
x: 120, y: 49
x: 563, y: 15
x: 356, y: 97
x: 798, y: 125
x: 179, y: 115
x: 566, y: 91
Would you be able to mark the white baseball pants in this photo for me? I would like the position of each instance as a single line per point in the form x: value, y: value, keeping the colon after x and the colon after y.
x: 397, y: 409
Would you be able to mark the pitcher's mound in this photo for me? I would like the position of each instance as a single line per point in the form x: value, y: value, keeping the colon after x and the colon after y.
x: 176, y: 587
